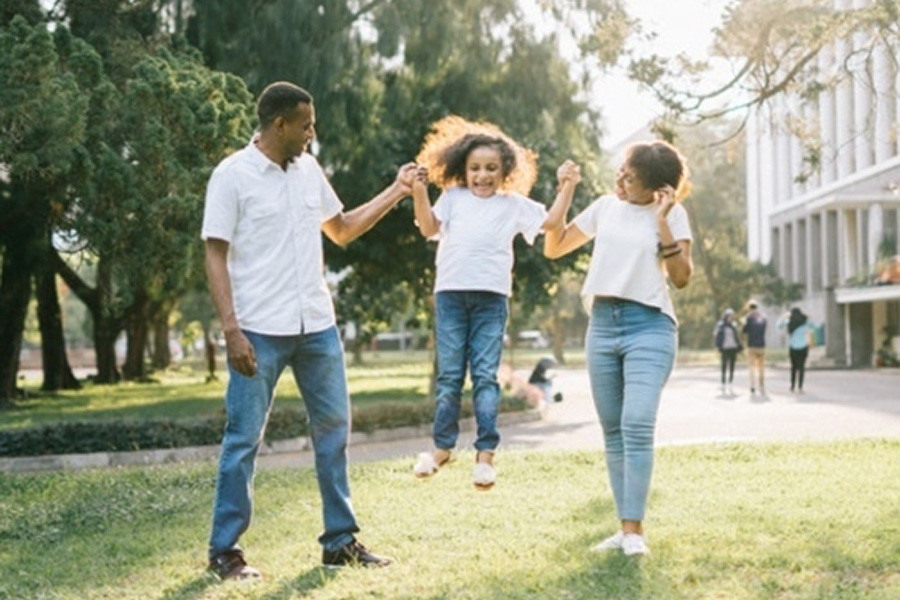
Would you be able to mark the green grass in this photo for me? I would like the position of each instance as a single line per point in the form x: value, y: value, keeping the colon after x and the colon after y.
x: 184, y: 393
x: 385, y: 377
x: 739, y: 521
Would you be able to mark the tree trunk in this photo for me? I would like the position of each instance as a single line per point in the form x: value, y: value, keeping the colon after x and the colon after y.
x: 105, y: 334
x: 137, y: 330
x: 558, y: 335
x: 15, y: 291
x: 162, y: 357
x: 106, y: 325
x: 358, y: 344
x: 57, y: 372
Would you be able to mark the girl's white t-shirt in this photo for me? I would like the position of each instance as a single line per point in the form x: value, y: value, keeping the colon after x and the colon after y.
x: 475, y: 242
x: 625, y: 262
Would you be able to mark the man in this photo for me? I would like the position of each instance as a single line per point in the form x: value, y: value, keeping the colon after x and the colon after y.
x: 266, y: 206
x: 755, y: 330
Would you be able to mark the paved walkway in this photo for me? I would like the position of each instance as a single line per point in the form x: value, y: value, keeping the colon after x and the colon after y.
x: 837, y: 404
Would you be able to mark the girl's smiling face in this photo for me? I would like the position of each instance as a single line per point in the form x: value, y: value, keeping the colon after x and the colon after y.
x: 484, y: 171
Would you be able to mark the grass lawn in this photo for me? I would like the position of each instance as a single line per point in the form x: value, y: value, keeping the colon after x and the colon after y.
x: 738, y: 521
x: 184, y: 393
x: 385, y: 377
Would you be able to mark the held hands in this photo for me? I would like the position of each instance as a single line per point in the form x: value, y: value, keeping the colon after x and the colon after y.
x: 568, y: 172
x: 664, y: 200
x: 420, y: 178
x: 240, y: 353
x: 405, y: 178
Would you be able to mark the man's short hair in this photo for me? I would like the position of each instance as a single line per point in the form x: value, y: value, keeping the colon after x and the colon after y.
x: 279, y: 99
x: 751, y: 304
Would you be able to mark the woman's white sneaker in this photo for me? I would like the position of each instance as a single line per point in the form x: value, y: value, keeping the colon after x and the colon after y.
x: 425, y: 465
x: 613, y: 542
x: 634, y: 544
x: 484, y: 476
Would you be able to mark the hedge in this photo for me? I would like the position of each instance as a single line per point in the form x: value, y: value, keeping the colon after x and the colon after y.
x: 125, y: 435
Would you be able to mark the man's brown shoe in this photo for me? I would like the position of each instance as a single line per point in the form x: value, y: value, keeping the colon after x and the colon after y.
x: 353, y: 554
x: 233, y: 565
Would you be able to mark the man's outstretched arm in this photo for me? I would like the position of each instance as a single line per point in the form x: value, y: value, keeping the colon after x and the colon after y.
x: 343, y: 228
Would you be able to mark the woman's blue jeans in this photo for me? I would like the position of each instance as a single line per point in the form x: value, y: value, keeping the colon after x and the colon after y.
x: 317, y: 360
x: 630, y: 352
x: 469, y: 331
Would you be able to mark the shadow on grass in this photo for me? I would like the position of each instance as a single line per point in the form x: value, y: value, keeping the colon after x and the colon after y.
x: 190, y: 589
x: 303, y: 584
x: 587, y: 575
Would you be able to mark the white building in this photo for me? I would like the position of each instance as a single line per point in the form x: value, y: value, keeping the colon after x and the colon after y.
x: 827, y: 227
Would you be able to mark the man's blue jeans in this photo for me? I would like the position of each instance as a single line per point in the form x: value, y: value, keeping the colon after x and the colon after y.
x: 630, y: 352
x: 470, y: 327
x: 317, y: 360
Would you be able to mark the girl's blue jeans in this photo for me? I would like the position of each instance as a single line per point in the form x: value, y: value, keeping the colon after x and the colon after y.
x: 630, y: 351
x: 469, y: 333
x: 317, y: 360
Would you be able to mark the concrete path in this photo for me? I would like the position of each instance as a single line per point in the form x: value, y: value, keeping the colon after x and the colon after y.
x: 837, y: 404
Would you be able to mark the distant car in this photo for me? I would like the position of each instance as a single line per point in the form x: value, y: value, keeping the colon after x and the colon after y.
x: 392, y: 340
x: 532, y: 338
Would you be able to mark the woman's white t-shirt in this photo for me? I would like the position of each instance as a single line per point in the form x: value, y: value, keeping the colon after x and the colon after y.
x: 475, y: 242
x: 625, y: 262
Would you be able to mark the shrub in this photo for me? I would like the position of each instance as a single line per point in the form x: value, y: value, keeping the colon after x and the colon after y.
x: 126, y: 435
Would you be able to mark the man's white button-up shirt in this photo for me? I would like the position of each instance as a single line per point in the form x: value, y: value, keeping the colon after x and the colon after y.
x: 272, y: 220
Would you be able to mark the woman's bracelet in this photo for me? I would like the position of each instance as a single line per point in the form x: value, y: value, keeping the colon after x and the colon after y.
x: 660, y: 248
x: 675, y: 252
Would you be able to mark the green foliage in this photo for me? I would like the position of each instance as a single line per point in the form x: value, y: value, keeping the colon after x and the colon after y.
x: 723, y: 275
x: 43, y: 100
x: 381, y: 73
x: 148, y: 434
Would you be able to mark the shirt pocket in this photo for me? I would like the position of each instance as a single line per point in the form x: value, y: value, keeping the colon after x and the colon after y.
x: 261, y: 211
x: 264, y: 219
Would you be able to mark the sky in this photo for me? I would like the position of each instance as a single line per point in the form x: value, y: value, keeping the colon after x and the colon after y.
x: 681, y: 26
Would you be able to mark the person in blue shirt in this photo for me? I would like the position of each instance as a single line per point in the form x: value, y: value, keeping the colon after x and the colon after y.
x: 755, y: 330
x: 798, y: 326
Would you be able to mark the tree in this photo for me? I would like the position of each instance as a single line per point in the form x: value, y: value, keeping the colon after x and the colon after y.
x: 724, y: 277
x: 43, y: 110
x: 381, y: 73
x: 158, y: 123
x: 772, y: 47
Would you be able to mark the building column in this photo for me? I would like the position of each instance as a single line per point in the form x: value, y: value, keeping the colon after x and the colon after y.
x: 862, y: 99
x: 885, y: 107
x: 755, y: 222
x: 782, y: 154
x: 815, y: 255
x: 827, y: 121
x: 796, y: 127
x: 810, y: 110
x: 831, y: 248
x: 876, y: 230
x: 843, y: 105
x: 859, y: 246
x: 768, y: 184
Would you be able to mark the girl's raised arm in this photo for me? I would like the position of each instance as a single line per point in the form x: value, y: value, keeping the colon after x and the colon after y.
x: 428, y: 224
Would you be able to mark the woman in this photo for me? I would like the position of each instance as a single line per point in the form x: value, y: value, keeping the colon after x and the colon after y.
x: 798, y: 327
x: 642, y: 237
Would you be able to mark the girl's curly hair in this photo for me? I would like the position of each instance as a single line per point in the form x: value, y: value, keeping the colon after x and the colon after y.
x: 452, y: 138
